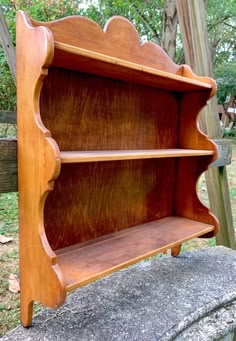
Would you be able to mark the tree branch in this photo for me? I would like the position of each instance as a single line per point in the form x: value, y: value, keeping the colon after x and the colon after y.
x: 217, y: 22
x: 225, y: 23
x: 145, y: 21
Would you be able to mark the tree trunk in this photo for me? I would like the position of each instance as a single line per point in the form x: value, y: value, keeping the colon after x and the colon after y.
x: 170, y: 20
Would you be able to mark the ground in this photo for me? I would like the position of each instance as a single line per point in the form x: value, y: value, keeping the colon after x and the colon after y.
x: 9, y: 302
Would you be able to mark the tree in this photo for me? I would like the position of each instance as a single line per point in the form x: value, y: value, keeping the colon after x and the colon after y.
x: 226, y: 81
x: 221, y: 19
x: 40, y: 10
x: 145, y: 14
x: 169, y: 31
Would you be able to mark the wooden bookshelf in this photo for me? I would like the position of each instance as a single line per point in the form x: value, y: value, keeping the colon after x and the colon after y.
x: 109, y: 154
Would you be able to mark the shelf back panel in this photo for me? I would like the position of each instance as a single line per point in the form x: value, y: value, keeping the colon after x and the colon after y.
x: 86, y: 112
x: 90, y: 200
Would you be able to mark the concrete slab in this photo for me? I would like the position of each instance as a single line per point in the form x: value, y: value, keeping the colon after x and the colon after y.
x: 159, y: 299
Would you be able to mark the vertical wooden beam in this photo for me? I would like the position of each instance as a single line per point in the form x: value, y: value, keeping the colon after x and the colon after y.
x: 7, y: 45
x: 193, y: 27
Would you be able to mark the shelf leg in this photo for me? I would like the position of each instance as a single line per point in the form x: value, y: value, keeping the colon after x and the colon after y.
x: 175, y: 250
x: 26, y: 310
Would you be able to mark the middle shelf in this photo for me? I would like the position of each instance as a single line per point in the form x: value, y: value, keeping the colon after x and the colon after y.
x: 111, y: 155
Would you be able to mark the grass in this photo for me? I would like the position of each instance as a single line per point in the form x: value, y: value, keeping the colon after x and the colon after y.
x: 9, y: 302
x: 7, y: 130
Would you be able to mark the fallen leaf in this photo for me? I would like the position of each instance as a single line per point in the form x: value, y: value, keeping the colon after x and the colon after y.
x: 5, y: 240
x: 14, y: 285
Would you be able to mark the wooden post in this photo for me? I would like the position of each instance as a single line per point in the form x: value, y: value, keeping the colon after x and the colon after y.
x: 8, y: 165
x: 192, y: 21
x: 7, y: 45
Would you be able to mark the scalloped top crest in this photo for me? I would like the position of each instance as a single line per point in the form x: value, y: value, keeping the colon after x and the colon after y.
x: 119, y: 39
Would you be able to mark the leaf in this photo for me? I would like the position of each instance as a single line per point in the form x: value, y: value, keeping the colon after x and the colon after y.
x: 4, y: 240
x: 14, y: 285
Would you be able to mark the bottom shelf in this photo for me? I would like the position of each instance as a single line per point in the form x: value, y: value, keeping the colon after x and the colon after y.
x: 85, y: 262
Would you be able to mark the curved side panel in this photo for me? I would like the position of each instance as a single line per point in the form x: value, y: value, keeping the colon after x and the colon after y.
x: 190, y: 135
x: 188, y: 204
x: 38, y: 166
x: 186, y: 71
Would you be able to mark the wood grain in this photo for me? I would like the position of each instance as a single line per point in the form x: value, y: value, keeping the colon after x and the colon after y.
x: 105, y: 114
x: 77, y: 59
x: 187, y: 202
x: 101, y: 257
x: 94, y: 156
x: 38, y: 166
x: 118, y: 39
x: 130, y: 115
x: 105, y: 197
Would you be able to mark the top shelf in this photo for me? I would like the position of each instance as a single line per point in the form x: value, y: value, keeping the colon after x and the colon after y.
x: 75, y: 58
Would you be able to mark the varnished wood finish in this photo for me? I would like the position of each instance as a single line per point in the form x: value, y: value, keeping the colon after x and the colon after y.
x: 186, y: 205
x: 175, y: 251
x: 99, y: 64
x: 89, y: 156
x: 105, y: 197
x: 109, y: 154
x: 106, y: 114
x: 38, y: 166
x: 118, y: 39
x: 116, y: 251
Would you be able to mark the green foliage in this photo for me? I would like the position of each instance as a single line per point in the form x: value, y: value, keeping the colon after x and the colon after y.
x: 221, y: 16
x: 226, y: 81
x: 39, y: 10
x: 7, y: 86
x: 146, y: 15
x: 221, y: 19
x: 8, y: 213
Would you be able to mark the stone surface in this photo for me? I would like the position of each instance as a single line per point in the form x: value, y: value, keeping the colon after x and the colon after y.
x: 191, y: 297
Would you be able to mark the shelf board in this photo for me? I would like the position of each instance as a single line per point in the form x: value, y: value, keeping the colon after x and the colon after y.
x: 85, y: 262
x: 110, y: 155
x: 75, y: 58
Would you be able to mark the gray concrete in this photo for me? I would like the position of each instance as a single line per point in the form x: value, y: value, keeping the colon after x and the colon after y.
x: 191, y: 297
